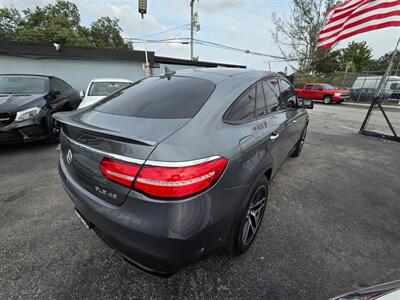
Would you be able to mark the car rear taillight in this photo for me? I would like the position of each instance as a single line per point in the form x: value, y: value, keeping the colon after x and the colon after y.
x: 179, y: 182
x: 165, y: 182
x: 119, y: 172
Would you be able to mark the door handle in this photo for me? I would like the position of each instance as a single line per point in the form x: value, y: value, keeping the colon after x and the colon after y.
x: 274, y: 136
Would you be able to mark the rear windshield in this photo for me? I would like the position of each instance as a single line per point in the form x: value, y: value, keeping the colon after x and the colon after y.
x: 159, y: 98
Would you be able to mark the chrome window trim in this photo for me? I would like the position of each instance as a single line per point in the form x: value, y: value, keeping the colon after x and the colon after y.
x: 155, y: 163
x: 177, y: 164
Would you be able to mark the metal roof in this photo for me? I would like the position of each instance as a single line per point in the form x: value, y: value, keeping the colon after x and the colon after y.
x: 41, y: 51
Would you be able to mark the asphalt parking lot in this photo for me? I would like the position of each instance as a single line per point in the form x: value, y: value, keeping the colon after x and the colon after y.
x: 332, y: 225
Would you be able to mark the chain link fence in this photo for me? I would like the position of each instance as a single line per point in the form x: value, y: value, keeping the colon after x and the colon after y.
x: 383, y: 117
x: 362, y: 85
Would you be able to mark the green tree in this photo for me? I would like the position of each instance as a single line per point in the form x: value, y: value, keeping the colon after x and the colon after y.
x: 59, y: 22
x: 10, y: 20
x: 382, y: 62
x: 326, y: 61
x: 297, y: 35
x: 106, y: 33
x: 356, y: 57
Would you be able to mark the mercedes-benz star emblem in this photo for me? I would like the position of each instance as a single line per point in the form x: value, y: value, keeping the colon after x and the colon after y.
x: 69, y: 156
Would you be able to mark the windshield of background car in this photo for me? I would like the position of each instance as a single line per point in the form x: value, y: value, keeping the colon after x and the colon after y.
x: 329, y: 87
x: 22, y: 85
x: 395, y: 86
x: 105, y: 88
x: 159, y: 98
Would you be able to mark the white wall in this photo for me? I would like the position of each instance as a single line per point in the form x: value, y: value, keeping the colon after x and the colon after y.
x: 77, y: 72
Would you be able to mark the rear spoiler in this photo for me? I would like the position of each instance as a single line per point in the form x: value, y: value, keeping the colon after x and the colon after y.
x: 67, y: 118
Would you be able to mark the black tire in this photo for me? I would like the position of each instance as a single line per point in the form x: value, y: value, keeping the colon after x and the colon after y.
x: 53, y: 137
x: 251, y: 218
x: 327, y: 100
x: 299, y: 144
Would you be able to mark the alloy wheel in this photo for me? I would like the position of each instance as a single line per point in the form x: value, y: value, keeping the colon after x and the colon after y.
x: 254, y: 215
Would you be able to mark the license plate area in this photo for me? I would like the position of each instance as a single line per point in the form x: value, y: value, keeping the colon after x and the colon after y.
x: 86, y: 223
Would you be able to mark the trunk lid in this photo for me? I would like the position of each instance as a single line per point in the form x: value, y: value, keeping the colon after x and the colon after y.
x: 88, y: 136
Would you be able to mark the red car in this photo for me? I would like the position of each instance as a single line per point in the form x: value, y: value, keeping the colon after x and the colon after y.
x: 323, y: 92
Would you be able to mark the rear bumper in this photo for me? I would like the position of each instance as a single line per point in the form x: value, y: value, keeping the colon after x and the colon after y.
x: 159, y: 238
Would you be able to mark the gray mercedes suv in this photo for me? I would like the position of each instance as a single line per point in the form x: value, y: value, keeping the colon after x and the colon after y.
x: 174, y: 167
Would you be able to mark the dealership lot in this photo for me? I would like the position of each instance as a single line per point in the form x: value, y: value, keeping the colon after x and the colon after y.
x: 332, y: 225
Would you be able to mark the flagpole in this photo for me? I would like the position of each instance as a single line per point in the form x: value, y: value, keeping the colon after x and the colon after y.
x: 380, y: 87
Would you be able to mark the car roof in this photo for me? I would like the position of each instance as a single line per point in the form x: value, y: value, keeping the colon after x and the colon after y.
x: 217, y: 75
x: 111, y: 80
x: 28, y: 75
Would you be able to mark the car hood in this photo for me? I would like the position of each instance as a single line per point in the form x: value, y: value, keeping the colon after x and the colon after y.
x: 12, y: 103
x: 89, y: 100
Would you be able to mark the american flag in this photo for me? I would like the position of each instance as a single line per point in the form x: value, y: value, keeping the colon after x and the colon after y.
x: 358, y: 16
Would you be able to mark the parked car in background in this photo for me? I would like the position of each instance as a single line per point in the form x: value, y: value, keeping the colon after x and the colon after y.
x: 368, y: 94
x: 27, y: 103
x: 173, y: 167
x: 323, y: 92
x: 364, y: 89
x: 100, y: 88
x: 372, y: 82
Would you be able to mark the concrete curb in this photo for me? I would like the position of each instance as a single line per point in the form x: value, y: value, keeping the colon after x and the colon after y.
x: 366, y: 106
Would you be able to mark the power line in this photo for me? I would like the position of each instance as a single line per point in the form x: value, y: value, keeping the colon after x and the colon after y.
x: 165, y: 31
x: 186, y: 41
x: 212, y: 44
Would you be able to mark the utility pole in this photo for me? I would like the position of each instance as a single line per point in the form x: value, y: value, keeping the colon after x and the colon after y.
x: 194, y: 26
x: 142, y: 7
x: 191, y: 29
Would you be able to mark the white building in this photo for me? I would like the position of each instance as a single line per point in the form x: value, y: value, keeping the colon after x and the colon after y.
x: 78, y: 65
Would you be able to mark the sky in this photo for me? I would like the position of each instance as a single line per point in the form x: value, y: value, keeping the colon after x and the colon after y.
x: 244, y: 24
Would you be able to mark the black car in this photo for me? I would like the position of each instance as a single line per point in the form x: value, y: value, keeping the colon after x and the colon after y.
x: 27, y: 103
x: 368, y: 94
x: 171, y: 168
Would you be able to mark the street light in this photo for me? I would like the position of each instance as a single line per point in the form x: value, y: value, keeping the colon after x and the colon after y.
x: 142, y: 7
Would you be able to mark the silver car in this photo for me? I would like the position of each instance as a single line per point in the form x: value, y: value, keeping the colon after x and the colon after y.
x: 174, y: 167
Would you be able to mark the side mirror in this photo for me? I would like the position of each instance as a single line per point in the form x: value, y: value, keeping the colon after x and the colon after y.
x: 82, y: 94
x: 307, y: 104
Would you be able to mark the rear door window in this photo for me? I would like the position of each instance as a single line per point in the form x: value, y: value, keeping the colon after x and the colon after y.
x: 317, y: 87
x: 242, y: 109
x: 261, y: 107
x: 271, y: 95
x: 288, y: 97
x: 159, y: 98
